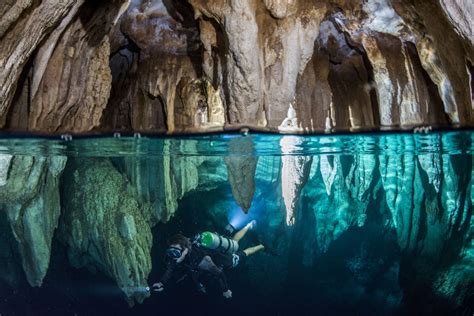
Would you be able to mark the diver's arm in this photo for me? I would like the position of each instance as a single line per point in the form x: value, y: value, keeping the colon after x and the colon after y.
x: 158, y: 287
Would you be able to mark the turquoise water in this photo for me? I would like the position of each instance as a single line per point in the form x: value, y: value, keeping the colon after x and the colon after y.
x: 365, y: 224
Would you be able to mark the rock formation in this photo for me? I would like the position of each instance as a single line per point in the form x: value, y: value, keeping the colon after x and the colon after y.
x: 196, y: 66
x: 105, y: 227
x: 419, y: 202
x: 29, y: 194
x: 241, y: 164
x: 161, y: 66
x: 161, y: 181
x: 294, y: 174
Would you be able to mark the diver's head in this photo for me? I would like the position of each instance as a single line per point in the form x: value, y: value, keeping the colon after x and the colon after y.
x: 178, y: 247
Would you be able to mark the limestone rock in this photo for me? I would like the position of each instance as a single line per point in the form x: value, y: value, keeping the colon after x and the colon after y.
x: 4, y: 167
x: 241, y: 165
x: 66, y: 77
x: 361, y: 181
x: 281, y: 8
x: 404, y: 192
x: 53, y: 101
x: 105, y: 227
x: 157, y: 84
x: 30, y: 198
x: 294, y: 174
x: 196, y: 66
x: 438, y: 46
x: 25, y: 33
x: 459, y: 13
x: 11, y: 11
x: 334, y: 207
x: 162, y: 181
x: 263, y: 57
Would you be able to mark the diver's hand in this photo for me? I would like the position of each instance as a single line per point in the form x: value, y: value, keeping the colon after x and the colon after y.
x: 158, y: 287
x: 227, y: 294
x: 252, y: 225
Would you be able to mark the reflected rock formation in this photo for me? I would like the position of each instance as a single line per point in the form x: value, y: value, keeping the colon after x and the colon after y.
x: 29, y: 195
x: 209, y: 65
x: 104, y: 226
x: 241, y: 165
x: 416, y: 203
x: 294, y: 174
x: 161, y: 181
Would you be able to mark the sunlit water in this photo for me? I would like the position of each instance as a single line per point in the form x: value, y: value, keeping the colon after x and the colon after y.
x: 353, y: 224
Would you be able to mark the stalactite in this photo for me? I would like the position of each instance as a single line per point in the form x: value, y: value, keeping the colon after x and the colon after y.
x: 241, y: 166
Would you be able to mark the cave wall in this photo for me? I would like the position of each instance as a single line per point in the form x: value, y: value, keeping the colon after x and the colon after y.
x: 195, y: 66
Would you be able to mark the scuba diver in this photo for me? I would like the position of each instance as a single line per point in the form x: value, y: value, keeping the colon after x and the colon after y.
x: 208, y: 253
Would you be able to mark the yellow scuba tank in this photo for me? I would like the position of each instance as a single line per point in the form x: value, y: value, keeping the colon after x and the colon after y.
x: 217, y: 242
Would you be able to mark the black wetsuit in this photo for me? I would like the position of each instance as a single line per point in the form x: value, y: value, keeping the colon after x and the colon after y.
x: 195, y: 263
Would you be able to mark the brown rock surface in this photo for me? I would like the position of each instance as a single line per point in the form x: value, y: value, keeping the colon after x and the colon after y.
x: 25, y: 32
x: 194, y: 66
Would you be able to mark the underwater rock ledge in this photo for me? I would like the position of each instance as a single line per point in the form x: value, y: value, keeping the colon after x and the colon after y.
x: 199, y: 66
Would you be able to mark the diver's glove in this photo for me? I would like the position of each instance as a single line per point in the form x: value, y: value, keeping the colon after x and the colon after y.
x: 227, y: 294
x: 158, y: 287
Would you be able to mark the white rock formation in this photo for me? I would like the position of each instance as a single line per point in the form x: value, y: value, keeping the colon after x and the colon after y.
x: 294, y: 174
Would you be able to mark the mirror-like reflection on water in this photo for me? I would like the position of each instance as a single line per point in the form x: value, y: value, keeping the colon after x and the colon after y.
x: 368, y: 224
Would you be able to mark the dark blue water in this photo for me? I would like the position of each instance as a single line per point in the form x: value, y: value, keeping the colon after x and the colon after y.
x: 357, y: 224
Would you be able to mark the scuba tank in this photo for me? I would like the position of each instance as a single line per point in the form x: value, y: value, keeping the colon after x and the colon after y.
x: 217, y: 242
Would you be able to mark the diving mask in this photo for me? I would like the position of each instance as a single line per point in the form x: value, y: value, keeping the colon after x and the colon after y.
x: 174, y: 252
